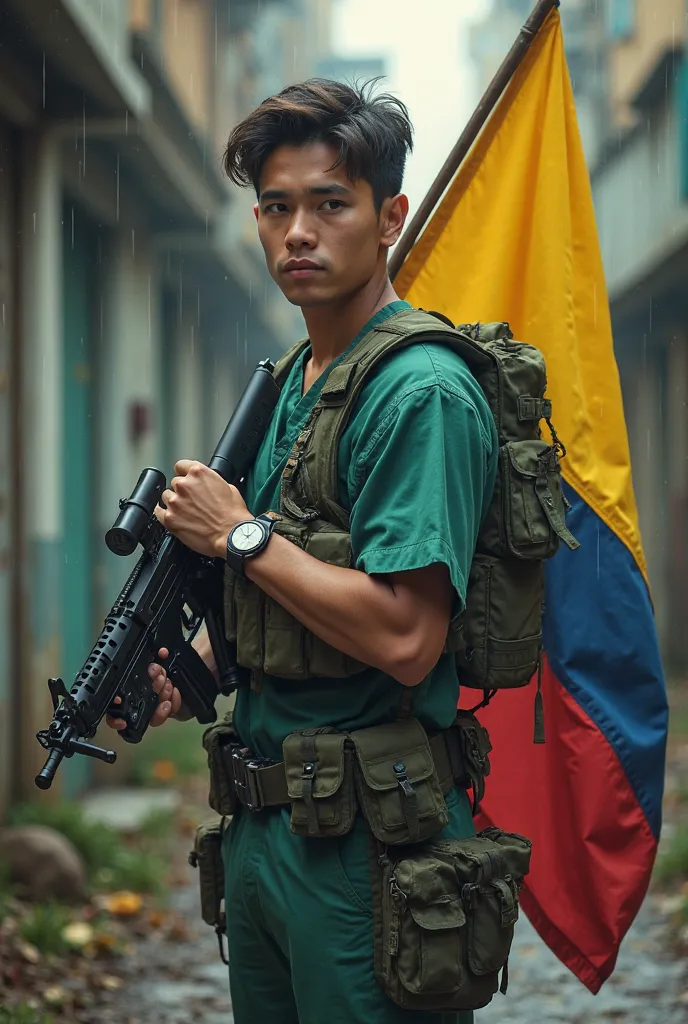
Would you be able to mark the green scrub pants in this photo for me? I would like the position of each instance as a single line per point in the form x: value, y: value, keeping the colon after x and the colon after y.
x: 299, y: 924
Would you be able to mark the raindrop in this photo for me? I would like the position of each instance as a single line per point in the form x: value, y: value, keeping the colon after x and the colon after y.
x: 83, y: 118
x: 150, y: 329
x: 133, y: 242
x: 44, y: 79
x: 117, y: 185
x: 72, y: 227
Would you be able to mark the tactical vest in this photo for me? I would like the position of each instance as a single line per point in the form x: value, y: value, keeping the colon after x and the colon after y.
x: 497, y: 639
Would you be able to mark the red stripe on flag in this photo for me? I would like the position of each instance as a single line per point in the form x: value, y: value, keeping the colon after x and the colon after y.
x: 593, y: 849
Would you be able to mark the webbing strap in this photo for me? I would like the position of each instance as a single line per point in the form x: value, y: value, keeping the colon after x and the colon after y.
x: 318, y: 477
x: 272, y: 781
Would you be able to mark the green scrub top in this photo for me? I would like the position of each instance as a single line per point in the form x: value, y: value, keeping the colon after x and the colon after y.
x: 417, y: 464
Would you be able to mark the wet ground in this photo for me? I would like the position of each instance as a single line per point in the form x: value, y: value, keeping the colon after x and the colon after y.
x: 187, y: 982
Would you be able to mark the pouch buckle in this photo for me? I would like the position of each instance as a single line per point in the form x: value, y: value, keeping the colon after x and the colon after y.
x: 246, y: 782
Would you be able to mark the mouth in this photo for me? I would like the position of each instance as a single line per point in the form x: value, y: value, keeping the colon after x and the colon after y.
x: 301, y: 269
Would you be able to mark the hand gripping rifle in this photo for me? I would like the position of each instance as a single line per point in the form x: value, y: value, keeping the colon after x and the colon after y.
x: 169, y: 594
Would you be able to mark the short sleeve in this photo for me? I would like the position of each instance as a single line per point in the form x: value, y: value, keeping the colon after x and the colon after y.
x: 422, y: 482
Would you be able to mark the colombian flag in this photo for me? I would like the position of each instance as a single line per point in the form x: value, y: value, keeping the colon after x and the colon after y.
x: 514, y: 239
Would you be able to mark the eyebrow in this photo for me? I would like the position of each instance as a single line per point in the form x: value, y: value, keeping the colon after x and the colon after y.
x: 315, y: 190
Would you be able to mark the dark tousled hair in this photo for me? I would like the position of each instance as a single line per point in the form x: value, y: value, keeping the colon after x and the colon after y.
x: 373, y: 133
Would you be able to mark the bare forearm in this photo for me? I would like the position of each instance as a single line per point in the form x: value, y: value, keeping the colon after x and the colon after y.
x: 358, y: 614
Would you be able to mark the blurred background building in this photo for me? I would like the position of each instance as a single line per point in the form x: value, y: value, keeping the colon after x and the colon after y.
x: 629, y: 69
x: 133, y: 296
x: 134, y: 299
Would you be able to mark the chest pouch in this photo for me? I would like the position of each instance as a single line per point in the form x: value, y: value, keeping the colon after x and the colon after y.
x: 318, y: 764
x: 448, y: 910
x: 270, y: 639
x: 397, y: 783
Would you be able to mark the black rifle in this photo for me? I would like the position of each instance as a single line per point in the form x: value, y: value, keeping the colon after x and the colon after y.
x: 169, y: 594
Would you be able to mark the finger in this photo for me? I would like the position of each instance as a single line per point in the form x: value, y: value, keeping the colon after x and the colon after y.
x: 167, y: 496
x: 159, y: 514
x: 163, y: 653
x: 182, y: 467
x: 158, y: 676
x: 115, y: 723
x: 161, y: 714
x: 166, y: 692
x: 176, y: 701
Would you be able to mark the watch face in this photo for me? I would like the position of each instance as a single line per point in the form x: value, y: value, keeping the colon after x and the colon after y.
x: 247, y: 536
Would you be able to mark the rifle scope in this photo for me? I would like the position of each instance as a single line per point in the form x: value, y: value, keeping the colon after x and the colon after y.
x: 135, y: 513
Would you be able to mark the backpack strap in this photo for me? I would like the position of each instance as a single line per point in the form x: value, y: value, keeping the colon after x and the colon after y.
x: 312, y: 481
x: 285, y: 363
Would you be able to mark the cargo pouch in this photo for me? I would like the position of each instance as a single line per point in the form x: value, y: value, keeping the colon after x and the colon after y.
x: 474, y: 746
x: 207, y: 857
x: 318, y: 765
x: 217, y: 741
x: 397, y: 784
x: 497, y: 642
x: 444, y: 919
x: 532, y: 501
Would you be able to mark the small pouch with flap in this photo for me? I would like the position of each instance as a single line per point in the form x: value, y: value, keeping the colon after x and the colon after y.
x: 319, y: 772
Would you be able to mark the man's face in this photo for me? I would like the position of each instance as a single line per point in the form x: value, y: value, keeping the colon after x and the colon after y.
x: 321, y: 233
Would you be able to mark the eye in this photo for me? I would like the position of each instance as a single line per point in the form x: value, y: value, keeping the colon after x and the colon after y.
x: 333, y: 204
x: 274, y: 208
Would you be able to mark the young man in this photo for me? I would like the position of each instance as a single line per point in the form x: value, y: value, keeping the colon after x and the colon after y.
x: 415, y: 469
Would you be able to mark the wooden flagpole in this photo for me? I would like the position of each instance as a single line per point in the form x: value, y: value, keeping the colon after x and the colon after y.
x: 470, y: 133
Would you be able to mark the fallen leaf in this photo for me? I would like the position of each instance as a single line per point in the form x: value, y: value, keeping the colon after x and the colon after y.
x: 77, y: 934
x: 163, y: 771
x: 103, y: 940
x: 110, y: 982
x: 55, y: 995
x: 124, y: 904
x: 28, y: 952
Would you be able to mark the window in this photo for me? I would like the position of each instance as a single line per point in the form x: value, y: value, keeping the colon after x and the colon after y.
x: 620, y: 18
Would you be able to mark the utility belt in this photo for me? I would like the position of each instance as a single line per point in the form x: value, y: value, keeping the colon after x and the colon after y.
x: 396, y: 773
x: 443, y: 910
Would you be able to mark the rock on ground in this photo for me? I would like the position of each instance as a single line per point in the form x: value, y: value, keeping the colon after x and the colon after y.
x: 43, y: 864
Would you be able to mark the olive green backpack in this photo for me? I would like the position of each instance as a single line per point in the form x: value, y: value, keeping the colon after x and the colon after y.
x: 497, y: 640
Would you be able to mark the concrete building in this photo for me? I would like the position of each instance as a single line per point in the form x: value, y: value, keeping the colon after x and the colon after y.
x: 583, y: 24
x: 133, y: 302
x: 640, y: 186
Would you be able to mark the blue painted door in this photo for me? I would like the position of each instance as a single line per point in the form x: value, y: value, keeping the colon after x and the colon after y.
x: 79, y: 258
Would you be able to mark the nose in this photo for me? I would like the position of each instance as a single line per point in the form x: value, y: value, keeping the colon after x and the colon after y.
x: 300, y: 232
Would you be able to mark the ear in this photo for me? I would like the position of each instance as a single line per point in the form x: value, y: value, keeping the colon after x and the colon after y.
x: 256, y: 210
x: 393, y: 216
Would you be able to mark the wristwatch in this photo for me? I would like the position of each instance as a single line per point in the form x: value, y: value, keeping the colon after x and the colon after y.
x: 247, y: 539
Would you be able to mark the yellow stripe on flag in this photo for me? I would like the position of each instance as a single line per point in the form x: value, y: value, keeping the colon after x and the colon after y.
x: 515, y: 239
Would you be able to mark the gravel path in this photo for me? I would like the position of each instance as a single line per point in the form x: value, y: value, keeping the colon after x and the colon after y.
x: 647, y: 987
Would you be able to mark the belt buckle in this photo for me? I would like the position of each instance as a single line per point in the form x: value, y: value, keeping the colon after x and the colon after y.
x: 246, y: 779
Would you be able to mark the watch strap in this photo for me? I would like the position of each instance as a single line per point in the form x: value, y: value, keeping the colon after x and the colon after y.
x: 237, y: 560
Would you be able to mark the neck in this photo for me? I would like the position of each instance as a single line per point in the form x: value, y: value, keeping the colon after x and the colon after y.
x: 332, y: 328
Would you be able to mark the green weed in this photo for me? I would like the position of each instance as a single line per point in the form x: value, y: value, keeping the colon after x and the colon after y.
x: 97, y: 843
x: 111, y: 863
x: 672, y: 862
x: 23, y: 1014
x: 43, y: 928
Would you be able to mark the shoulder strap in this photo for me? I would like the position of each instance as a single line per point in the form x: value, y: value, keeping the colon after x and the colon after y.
x: 286, y: 362
x: 343, y: 386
